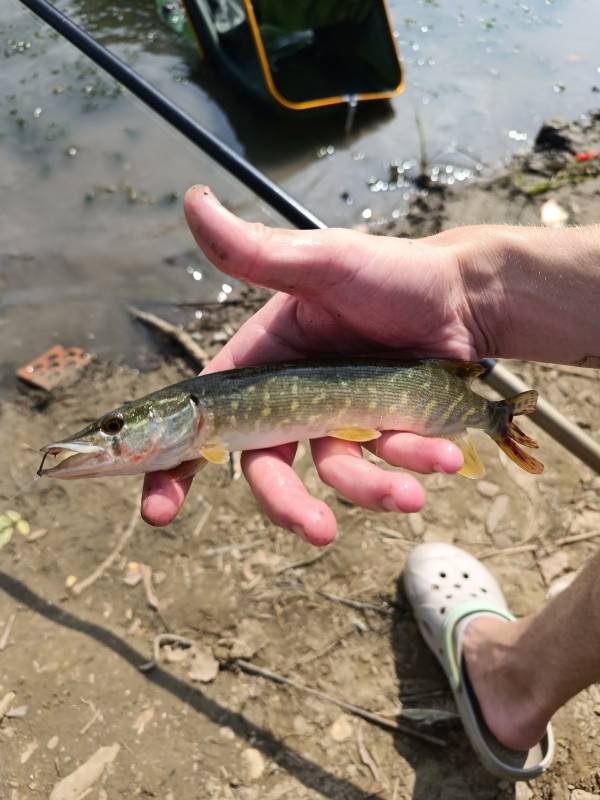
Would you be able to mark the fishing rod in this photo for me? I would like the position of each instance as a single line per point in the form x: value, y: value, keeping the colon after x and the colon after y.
x: 498, y: 376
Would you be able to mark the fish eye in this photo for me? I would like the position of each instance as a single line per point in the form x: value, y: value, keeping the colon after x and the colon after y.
x: 112, y: 425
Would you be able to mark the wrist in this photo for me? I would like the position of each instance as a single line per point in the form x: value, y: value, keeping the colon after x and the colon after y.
x: 533, y: 293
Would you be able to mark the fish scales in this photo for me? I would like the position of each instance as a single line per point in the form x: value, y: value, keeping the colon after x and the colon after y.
x: 253, y: 407
x: 384, y: 395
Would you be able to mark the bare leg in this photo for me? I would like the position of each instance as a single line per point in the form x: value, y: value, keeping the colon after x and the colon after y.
x: 522, y: 673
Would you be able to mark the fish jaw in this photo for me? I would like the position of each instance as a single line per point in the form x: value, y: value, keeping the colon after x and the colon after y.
x: 87, y: 460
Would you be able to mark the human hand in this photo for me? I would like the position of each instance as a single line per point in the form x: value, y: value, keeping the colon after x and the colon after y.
x: 338, y: 292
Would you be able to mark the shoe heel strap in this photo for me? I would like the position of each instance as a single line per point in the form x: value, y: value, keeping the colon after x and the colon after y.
x: 455, y: 615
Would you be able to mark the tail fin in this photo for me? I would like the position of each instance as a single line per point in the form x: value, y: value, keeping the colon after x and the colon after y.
x: 511, y: 436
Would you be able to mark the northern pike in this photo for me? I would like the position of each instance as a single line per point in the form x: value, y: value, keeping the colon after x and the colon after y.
x: 208, y: 416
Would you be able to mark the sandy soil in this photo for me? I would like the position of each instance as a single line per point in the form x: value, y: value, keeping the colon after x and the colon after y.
x: 233, y: 586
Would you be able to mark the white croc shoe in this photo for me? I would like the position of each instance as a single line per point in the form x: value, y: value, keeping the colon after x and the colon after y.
x: 446, y: 586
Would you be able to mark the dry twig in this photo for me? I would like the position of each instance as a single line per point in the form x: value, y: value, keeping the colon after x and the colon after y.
x: 151, y: 597
x: 345, y: 601
x: 366, y: 757
x: 203, y: 520
x: 81, y: 586
x: 529, y: 548
x: 7, y: 631
x: 376, y: 719
x: 192, y: 348
x: 305, y: 562
x: 6, y: 703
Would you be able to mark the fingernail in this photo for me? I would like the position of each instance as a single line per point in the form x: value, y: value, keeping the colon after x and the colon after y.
x: 299, y: 531
x: 388, y: 503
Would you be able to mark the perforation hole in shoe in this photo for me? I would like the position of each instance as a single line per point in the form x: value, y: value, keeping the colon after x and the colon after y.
x: 442, y: 574
x: 448, y: 597
x: 466, y: 576
x: 457, y: 585
x: 483, y: 589
x: 435, y: 586
x: 443, y: 610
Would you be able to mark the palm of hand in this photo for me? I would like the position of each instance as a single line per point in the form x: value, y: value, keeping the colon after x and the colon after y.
x: 338, y: 292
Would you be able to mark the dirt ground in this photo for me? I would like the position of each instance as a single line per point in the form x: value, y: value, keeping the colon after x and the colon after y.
x: 222, y: 577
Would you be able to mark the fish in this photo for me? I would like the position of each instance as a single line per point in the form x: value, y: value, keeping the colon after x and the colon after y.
x: 203, y: 419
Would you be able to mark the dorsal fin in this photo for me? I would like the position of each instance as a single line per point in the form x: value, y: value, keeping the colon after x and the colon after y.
x: 467, y: 370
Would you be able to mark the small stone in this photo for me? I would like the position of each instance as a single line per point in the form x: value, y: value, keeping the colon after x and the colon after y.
x: 487, y: 489
x: 71, y: 581
x: 52, y: 743
x: 23, y: 527
x: 253, y: 764
x: 226, y: 733
x: 302, y: 726
x: 342, y: 729
x: 205, y: 666
x: 496, y: 513
x: 133, y: 573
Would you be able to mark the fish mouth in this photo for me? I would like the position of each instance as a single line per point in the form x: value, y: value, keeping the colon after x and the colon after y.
x: 82, y: 460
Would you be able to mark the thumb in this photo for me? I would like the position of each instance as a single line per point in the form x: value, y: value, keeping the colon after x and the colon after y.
x: 292, y: 261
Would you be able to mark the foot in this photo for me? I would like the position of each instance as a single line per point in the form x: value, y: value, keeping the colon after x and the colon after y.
x: 505, y: 681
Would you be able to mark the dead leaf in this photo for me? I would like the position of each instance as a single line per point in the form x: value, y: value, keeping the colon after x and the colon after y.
x: 84, y: 777
x: 142, y: 720
x: 553, y: 565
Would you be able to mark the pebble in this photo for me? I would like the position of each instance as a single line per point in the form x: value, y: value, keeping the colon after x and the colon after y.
x: 302, y: 726
x: 52, y: 743
x: 253, y: 764
x: 496, y: 513
x: 342, y: 729
x: 487, y: 489
x: 226, y: 733
x: 70, y: 581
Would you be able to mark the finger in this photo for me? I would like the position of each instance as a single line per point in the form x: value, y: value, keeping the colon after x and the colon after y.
x: 283, y: 497
x: 417, y: 453
x: 340, y: 464
x: 292, y: 261
x: 162, y: 497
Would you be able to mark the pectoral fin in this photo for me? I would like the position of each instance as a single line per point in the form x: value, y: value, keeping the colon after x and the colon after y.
x: 215, y: 453
x: 353, y: 434
x: 472, y: 467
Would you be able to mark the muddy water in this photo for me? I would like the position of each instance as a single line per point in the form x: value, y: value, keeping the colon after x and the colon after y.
x: 91, y: 181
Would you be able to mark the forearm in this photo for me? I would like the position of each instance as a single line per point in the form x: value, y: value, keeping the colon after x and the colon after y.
x: 534, y: 293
